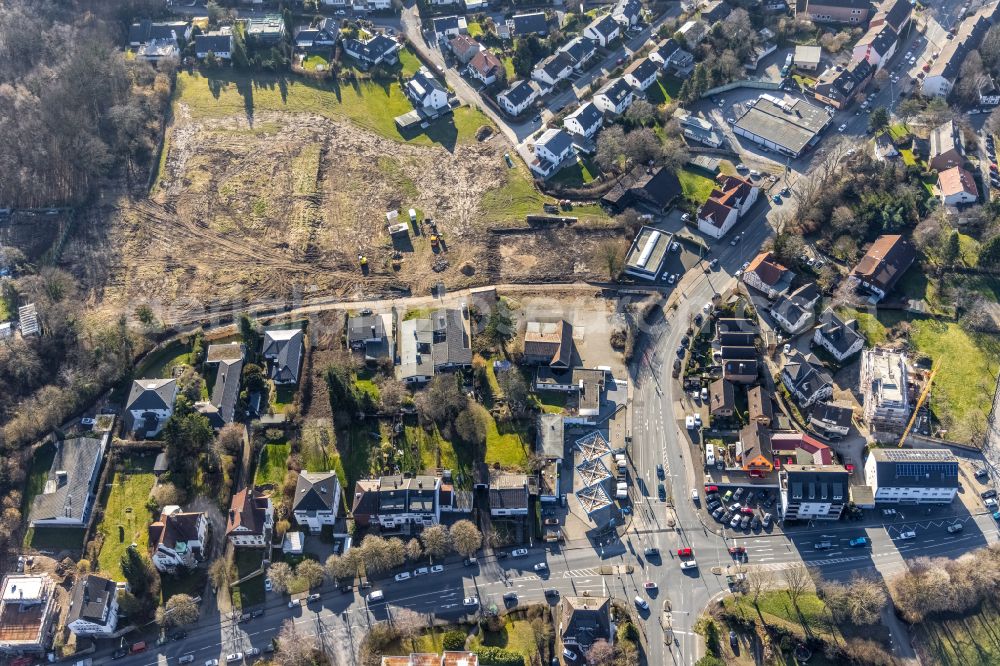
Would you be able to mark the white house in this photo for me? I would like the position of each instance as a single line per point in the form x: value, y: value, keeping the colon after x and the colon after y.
x: 841, y: 339
x: 485, y: 66
x: 642, y: 74
x: 317, y: 499
x: 250, y: 520
x: 766, y: 275
x: 585, y: 121
x: 508, y: 495
x: 627, y: 13
x: 805, y: 379
x: 957, y: 186
x: 518, y: 97
x: 732, y: 198
x: 220, y: 43
x: 551, y: 149
x: 581, y: 50
x: 615, y: 97
x: 795, y: 311
x: 603, y: 30
x: 912, y: 476
x: 372, y: 51
x: 426, y: 92
x: 450, y: 26
x: 150, y: 404
x: 813, y: 492
x: 553, y: 69
x: 178, y: 539
x: 93, y: 607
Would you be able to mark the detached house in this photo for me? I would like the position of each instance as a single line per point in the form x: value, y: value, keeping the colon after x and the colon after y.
x: 518, y: 97
x: 722, y: 399
x: 426, y: 92
x: 581, y: 50
x: 508, y: 495
x: 428, y: 346
x: 794, y: 313
x: 766, y: 275
x: 71, y: 486
x: 552, y: 149
x: 219, y: 43
x: 733, y: 197
x: 883, y: 265
x: 534, y: 23
x: 585, y: 121
x: 317, y: 500
x: 178, y: 539
x: 627, y: 13
x: 759, y: 409
x: 947, y: 149
x: 150, y: 404
x: 957, y: 186
x: 603, y: 30
x: 877, y: 46
x: 485, y: 66
x: 642, y: 74
x: 250, y: 520
x: 585, y: 620
x: 284, y: 348
x: 93, y: 607
x: 841, y: 339
x: 553, y: 69
x: 839, y: 87
x: 373, y: 51
x: 753, y: 450
x: 615, y: 97
x: 833, y: 421
x: 450, y: 26
x: 464, y: 47
x: 805, y: 379
x: 156, y: 41
x: 549, y: 343
x: 228, y: 359
x: 372, y: 334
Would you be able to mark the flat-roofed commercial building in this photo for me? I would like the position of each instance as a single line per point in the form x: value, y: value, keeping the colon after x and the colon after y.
x: 649, y: 249
x: 787, y: 126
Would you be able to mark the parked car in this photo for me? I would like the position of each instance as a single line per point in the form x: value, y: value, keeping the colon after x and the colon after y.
x: 470, y: 602
x: 689, y: 564
x: 119, y: 653
x: 711, y: 489
x: 641, y: 603
x: 569, y: 654
x: 661, y: 492
x: 469, y: 561
x: 767, y: 520
x: 298, y: 602
x: 268, y: 586
x: 745, y: 522
x: 684, y: 552
x: 234, y: 657
x: 421, y: 571
x: 755, y: 523
x: 738, y: 551
x: 519, y: 552
x: 651, y: 552
x: 735, y: 521
x: 437, y: 568
x: 986, y: 494
x: 541, y: 566
x: 746, y: 511
x: 510, y: 597
x: 186, y: 659
x: 649, y: 585
x: 400, y: 577
x: 717, y: 512
x: 313, y: 597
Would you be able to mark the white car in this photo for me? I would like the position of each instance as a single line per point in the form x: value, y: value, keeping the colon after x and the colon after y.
x: 744, y: 266
x: 437, y: 568
x: 641, y: 603
x: 689, y: 422
x: 211, y: 662
x: 569, y: 654
x: 294, y: 602
x: 519, y: 552
x: 672, y: 279
x: 541, y: 566
x: 909, y: 534
x: 87, y: 421
x: 400, y: 577
x: 470, y: 601
x: 689, y: 564
x: 421, y: 571
x: 888, y: 512
x: 697, y: 420
x: 235, y: 656
x: 842, y: 127
x: 707, y: 307
x: 314, y: 597
x: 268, y: 586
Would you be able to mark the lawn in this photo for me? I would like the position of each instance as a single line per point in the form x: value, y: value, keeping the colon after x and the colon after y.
x: 909, y: 159
x: 518, y: 198
x: 868, y: 324
x: 475, y: 30
x: 898, y: 132
x: 160, y: 364
x: 365, y: 381
x: 808, y: 616
x: 315, y: 63
x: 126, y: 518
x: 507, y: 444
x: 54, y: 538
x: 516, y: 636
x: 508, y: 66
x: 551, y: 402
x: 41, y: 461
x: 368, y: 104
x: 579, y: 173
x: 190, y: 583
x: 436, y: 451
x: 273, y: 464
x: 967, y: 372
x: 426, y: 643
x: 971, y: 640
x: 282, y: 396
x: 409, y: 63
x: 664, y: 90
x: 695, y: 186
x: 251, y: 592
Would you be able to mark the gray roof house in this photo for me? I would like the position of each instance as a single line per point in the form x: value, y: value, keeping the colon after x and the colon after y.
x: 317, y: 499
x: 284, y: 348
x: 528, y: 24
x: 70, y: 489
x: 93, y: 608
x: 794, y: 312
x: 372, y: 333
x: 806, y: 379
x: 226, y: 390
x: 840, y: 338
x: 150, y: 403
x: 416, y: 360
x: 452, y: 339
x: 145, y: 31
x: 219, y: 43
x: 585, y: 620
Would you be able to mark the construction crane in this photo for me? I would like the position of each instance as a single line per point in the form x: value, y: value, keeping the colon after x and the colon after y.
x: 920, y: 402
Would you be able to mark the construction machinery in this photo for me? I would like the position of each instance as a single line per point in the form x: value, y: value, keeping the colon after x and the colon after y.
x: 920, y: 401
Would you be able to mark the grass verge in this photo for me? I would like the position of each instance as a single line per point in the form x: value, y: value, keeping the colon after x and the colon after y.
x: 970, y: 640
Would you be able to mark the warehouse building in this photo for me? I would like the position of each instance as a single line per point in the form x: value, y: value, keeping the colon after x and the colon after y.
x: 788, y: 126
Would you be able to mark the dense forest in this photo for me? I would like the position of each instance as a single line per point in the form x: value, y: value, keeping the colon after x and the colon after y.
x: 73, y: 108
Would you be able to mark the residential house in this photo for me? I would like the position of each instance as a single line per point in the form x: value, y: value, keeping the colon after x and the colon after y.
x: 534, y: 23
x: 656, y: 188
x: 485, y: 66
x: 722, y: 399
x: 884, y: 148
x: 877, y: 46
x: 553, y: 69
x: 371, y: 333
x: 450, y: 26
x: 841, y: 339
x: 642, y: 74
x: 394, y: 502
x: 693, y: 32
x: 448, y: 657
x: 753, y: 450
x: 840, y: 86
x: 70, y: 488
x: 947, y: 149
x: 585, y: 121
x: 615, y: 97
x: 813, y: 492
x: 883, y: 265
x: 150, y: 404
x: 373, y: 51
x: 317, y: 500
x: 178, y: 539
x: 475, y: 5
x: 228, y: 359
x: 508, y: 494
x: 28, y: 611
x: 893, y: 13
x: 956, y: 45
x: 518, y: 97
x: 956, y: 186
x: 766, y: 275
x: 549, y: 343
x: 416, y: 344
x: 551, y: 149
x: 795, y: 312
x: 426, y: 93
x: 603, y: 30
x: 731, y: 199
x: 265, y: 30
x: 806, y: 380
x: 700, y: 130
x: 672, y: 57
x: 93, y: 607
x: 284, y: 348
x: 759, y: 409
x: 627, y: 13
x: 740, y: 364
x: 832, y: 420
x: 585, y: 620
x: 807, y: 58
x: 427, y: 346
x: 912, y: 476
x: 885, y: 390
x: 799, y: 448
x: 586, y: 383
x: 715, y: 11
x: 663, y: 51
x: 219, y: 43
x: 551, y: 445
x: 325, y: 33
x: 464, y: 47
x: 250, y: 520
x: 854, y: 12
x: 647, y: 253
x: 581, y: 50
x: 146, y: 31
x: 452, y: 339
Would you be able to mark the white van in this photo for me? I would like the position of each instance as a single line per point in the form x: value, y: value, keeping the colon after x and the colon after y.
x: 377, y: 595
x: 709, y: 454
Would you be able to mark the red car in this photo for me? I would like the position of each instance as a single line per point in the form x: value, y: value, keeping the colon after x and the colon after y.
x: 711, y: 489
x: 684, y: 552
x: 747, y: 511
x: 738, y: 550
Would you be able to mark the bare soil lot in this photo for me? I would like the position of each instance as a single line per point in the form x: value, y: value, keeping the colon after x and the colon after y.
x: 268, y: 192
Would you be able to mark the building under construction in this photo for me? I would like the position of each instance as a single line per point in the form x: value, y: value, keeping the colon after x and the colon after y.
x: 886, y: 391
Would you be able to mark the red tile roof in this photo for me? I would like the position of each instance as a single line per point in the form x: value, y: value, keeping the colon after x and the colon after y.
x: 766, y: 268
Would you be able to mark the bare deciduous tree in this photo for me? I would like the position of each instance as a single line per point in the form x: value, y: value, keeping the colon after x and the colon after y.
x: 466, y: 538
x: 408, y: 624
x: 179, y: 610
x: 758, y: 581
x: 295, y: 648
x: 437, y: 541
x: 414, y: 551
x: 281, y: 575
x: 601, y: 653
x: 310, y: 571
x: 798, y: 581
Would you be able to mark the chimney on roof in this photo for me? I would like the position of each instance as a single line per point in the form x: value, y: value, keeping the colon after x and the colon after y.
x: 232, y: 515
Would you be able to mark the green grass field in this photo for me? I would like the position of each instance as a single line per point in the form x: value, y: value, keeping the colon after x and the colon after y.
x: 808, y: 616
x: 251, y: 592
x: 273, y: 464
x: 409, y: 63
x: 579, y: 173
x: 315, y: 62
x: 695, y: 186
x: 367, y: 104
x: 41, y: 461
x: 664, y: 90
x: 972, y: 640
x: 551, y: 402
x: 516, y: 636
x: 126, y: 519
x: 160, y: 364
x: 507, y: 444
